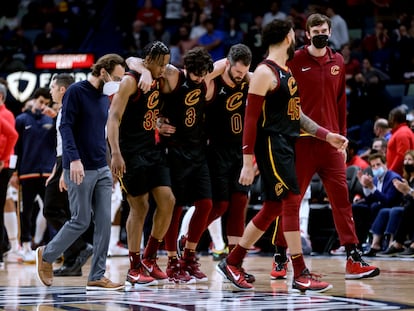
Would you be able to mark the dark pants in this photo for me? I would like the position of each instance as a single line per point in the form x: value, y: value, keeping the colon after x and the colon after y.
x: 4, y: 180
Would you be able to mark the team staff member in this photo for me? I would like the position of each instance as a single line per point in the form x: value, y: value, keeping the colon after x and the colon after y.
x: 320, y: 74
x: 86, y: 172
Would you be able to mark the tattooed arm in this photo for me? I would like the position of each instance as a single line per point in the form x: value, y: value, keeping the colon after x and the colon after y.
x: 307, y: 124
x: 336, y: 140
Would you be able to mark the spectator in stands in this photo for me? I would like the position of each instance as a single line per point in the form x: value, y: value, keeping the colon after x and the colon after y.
x: 352, y: 157
x: 352, y: 64
x: 382, y: 129
x: 191, y: 12
x: 20, y: 47
x: 339, y: 35
x: 233, y: 33
x: 148, y: 14
x: 213, y: 40
x: 401, y: 141
x: 159, y: 33
x: 379, y: 192
x: 273, y: 13
x: 49, y: 40
x: 405, y: 229
x: 368, y: 100
x: 33, y: 19
x: 390, y: 222
x: 199, y: 29
x: 254, y: 40
x: 298, y: 19
x: 379, y: 145
x: 135, y: 40
x: 185, y: 43
x: 403, y: 54
x: 376, y: 46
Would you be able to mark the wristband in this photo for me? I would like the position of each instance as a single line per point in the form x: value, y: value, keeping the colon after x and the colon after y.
x: 321, y: 133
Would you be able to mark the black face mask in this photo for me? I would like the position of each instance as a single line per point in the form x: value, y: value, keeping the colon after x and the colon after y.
x: 320, y: 41
x: 409, y: 168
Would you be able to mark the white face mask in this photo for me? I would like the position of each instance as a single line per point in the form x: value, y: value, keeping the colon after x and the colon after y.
x: 111, y: 87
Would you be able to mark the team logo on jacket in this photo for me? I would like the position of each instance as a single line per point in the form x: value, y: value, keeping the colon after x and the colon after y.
x: 335, y: 70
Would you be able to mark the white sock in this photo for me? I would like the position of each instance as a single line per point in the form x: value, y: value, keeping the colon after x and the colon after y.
x: 186, y: 221
x: 10, y: 223
x: 115, y: 230
x: 216, y: 234
x: 41, y: 223
x: 27, y: 246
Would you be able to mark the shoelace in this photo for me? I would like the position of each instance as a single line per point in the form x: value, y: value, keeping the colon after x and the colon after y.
x: 280, y: 265
x: 356, y: 256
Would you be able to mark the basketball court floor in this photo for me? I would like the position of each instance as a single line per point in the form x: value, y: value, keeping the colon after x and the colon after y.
x: 393, y: 289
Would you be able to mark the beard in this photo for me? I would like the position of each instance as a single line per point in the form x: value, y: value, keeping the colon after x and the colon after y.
x: 232, y: 78
x: 291, y: 51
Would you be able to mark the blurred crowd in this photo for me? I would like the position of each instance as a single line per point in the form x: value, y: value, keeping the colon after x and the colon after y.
x: 375, y: 37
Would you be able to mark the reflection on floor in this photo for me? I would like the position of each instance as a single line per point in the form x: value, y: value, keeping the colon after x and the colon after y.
x: 392, y: 290
x: 176, y: 298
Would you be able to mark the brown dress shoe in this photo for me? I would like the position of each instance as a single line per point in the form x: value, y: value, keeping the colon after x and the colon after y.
x: 44, y: 269
x: 103, y: 284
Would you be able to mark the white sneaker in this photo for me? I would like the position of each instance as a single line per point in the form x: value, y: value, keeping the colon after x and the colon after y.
x: 339, y: 251
x: 13, y: 257
x: 29, y: 257
x: 117, y: 250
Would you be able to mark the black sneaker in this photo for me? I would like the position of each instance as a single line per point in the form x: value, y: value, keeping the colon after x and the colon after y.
x: 407, y: 253
x: 391, y: 251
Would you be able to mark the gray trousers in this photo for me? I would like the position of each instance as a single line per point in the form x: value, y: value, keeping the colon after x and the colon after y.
x: 89, y: 200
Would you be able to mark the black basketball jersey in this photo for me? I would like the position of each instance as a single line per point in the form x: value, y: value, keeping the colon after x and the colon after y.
x: 137, y: 128
x: 225, y: 113
x: 185, y: 109
x: 280, y: 112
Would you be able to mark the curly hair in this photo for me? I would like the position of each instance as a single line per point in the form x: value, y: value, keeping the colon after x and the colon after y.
x: 198, y: 61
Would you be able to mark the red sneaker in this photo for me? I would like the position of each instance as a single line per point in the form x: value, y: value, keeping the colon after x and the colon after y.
x: 234, y: 274
x: 279, y: 270
x: 192, y: 266
x: 176, y: 274
x: 250, y: 278
x: 150, y: 264
x: 357, y: 268
x: 139, y: 277
x: 310, y: 282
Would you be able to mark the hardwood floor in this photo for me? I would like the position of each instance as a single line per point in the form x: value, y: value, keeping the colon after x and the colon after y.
x: 392, y: 290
